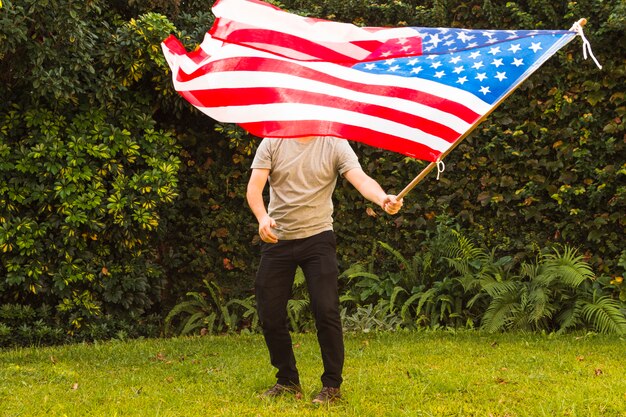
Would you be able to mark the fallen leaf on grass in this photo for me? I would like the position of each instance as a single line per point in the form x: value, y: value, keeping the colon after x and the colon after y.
x: 74, y: 386
x: 580, y: 358
x: 598, y: 371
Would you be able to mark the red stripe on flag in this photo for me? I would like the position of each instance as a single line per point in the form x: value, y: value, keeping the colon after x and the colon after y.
x: 294, y: 129
x: 252, y: 37
x: 198, y: 55
x: 174, y: 45
x: 254, y: 96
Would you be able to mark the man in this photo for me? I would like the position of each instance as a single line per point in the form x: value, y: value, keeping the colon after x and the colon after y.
x: 297, y: 230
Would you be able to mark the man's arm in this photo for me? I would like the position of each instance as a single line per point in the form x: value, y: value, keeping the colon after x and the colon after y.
x: 254, y: 195
x: 370, y: 189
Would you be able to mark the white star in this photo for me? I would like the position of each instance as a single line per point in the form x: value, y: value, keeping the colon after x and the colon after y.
x: 501, y: 76
x: 487, y: 34
x: 458, y: 70
x: 431, y: 57
x: 450, y: 42
x: 481, y: 77
x: 370, y: 66
x: 394, y: 68
x: 492, y: 40
x: 385, y: 54
x: 434, y: 39
x: 455, y: 60
x: 535, y: 46
x: 514, y: 48
x: 464, y: 37
x: 478, y: 65
x: 472, y: 45
x: 494, y: 51
x: 484, y: 90
x: 439, y: 74
x: 436, y: 64
x: 402, y: 41
x: 475, y: 54
x: 517, y: 62
x: 462, y: 80
x: 412, y: 61
x: 416, y: 70
x: 390, y: 61
x: 497, y: 62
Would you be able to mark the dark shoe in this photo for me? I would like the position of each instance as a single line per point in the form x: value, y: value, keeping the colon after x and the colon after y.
x: 327, y: 395
x: 280, y: 389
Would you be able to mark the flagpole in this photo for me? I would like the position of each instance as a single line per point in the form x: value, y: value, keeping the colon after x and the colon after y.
x: 416, y: 180
x: 432, y: 165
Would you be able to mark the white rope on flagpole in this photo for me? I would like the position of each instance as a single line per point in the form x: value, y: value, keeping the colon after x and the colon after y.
x: 440, y: 168
x: 578, y: 28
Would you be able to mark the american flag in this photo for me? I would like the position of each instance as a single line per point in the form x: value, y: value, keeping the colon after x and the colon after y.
x: 410, y: 90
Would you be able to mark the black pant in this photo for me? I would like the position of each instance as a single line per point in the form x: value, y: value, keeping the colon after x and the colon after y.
x: 317, y: 257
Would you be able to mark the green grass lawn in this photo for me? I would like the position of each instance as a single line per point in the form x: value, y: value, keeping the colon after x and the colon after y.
x: 386, y: 374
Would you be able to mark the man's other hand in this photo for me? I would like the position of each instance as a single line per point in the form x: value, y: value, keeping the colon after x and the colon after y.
x: 265, y: 230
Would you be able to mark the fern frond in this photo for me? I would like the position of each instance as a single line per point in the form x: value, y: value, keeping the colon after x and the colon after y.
x: 407, y: 304
x: 530, y: 270
x: 189, y: 307
x: 539, y: 305
x: 500, y: 312
x: 570, y: 267
x: 445, y: 306
x: 407, y: 265
x: 352, y: 298
x: 394, y: 295
x: 299, y: 278
x: 570, y: 317
x: 605, y: 315
x: 466, y: 249
x: 425, y: 297
x: 352, y: 271
x: 364, y: 274
x: 500, y: 288
x: 297, y: 306
x: 192, y: 323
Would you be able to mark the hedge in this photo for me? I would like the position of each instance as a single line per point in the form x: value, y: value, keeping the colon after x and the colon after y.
x: 117, y: 197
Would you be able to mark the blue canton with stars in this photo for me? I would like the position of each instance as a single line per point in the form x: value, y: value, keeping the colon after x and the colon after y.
x: 485, y: 63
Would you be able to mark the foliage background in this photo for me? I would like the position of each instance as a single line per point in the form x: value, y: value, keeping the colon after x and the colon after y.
x: 117, y: 198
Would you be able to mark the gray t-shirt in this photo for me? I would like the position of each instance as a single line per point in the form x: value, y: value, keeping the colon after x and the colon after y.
x: 302, y: 180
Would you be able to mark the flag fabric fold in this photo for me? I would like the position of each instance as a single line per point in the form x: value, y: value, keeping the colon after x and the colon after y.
x: 411, y: 90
